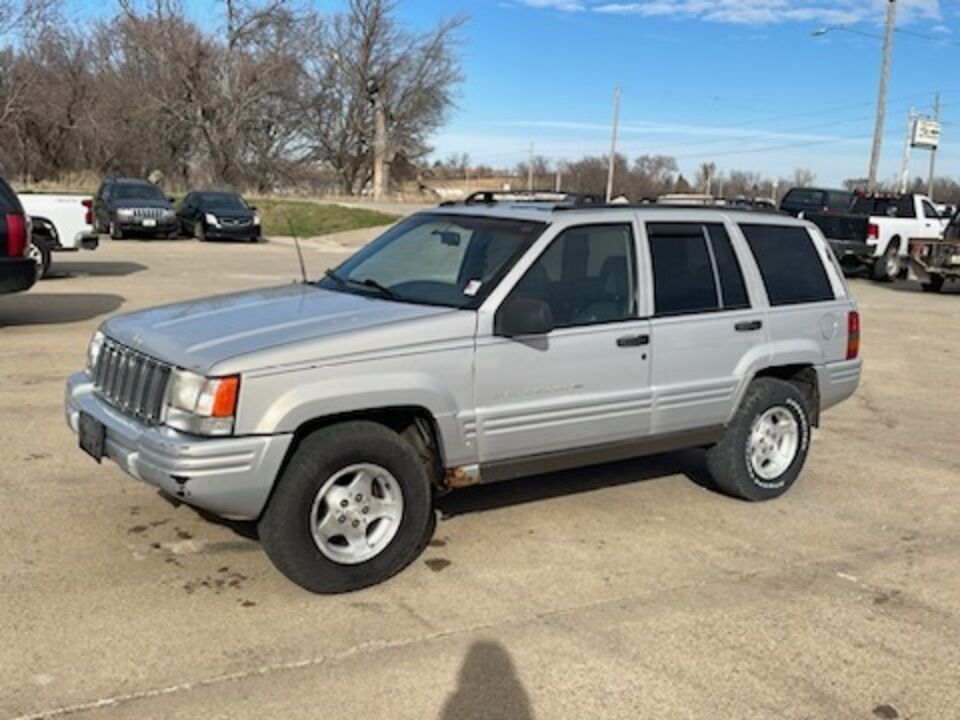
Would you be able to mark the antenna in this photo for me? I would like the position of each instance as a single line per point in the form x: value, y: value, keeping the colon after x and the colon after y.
x: 296, y: 243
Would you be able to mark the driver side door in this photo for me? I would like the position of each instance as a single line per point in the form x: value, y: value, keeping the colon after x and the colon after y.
x: 584, y: 384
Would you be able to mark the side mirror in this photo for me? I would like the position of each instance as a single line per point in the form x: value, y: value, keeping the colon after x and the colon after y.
x: 523, y: 316
x: 253, y: 207
x: 171, y: 199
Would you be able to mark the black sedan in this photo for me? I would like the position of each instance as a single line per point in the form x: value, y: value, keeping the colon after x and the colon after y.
x: 218, y: 215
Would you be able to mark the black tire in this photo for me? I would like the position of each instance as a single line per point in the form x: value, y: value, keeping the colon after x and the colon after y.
x: 42, y: 255
x: 199, y: 231
x: 887, y: 266
x: 729, y: 460
x: 284, y: 527
x: 115, y: 232
x: 935, y: 284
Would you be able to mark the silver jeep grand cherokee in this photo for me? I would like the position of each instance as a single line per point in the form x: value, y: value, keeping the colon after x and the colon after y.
x: 472, y: 343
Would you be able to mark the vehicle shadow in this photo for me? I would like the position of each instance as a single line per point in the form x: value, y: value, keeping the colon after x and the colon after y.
x: 55, y: 308
x: 480, y: 498
x: 488, y: 687
x: 908, y: 286
x: 61, y: 270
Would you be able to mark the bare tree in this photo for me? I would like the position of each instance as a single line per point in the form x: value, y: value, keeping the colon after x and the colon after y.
x: 414, y: 74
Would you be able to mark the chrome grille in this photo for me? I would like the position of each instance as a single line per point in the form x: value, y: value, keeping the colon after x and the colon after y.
x: 148, y: 213
x: 235, y: 222
x: 131, y: 382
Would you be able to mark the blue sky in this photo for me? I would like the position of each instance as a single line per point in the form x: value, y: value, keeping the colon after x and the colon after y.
x: 738, y: 82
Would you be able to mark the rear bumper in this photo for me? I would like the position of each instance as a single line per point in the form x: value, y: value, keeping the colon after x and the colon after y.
x: 230, y: 477
x: 852, y: 251
x: 838, y: 381
x: 17, y: 274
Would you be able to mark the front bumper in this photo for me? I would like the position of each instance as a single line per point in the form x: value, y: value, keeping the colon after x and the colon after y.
x: 17, y: 274
x: 137, y: 225
x: 230, y: 477
x: 227, y: 232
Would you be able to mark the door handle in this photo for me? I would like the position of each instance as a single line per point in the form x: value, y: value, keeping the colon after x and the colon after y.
x: 748, y: 325
x: 633, y: 340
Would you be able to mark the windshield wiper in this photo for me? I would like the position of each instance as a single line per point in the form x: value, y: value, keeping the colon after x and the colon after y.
x: 365, y: 283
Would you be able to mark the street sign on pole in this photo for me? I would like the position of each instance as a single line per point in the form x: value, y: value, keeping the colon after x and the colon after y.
x: 926, y: 133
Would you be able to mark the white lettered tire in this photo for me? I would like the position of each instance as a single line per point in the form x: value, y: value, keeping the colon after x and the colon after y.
x: 765, y: 445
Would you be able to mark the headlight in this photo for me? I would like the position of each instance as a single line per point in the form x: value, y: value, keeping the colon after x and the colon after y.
x: 93, y: 350
x: 211, y: 219
x: 200, y: 405
x: 256, y: 219
x: 125, y: 213
x: 169, y: 214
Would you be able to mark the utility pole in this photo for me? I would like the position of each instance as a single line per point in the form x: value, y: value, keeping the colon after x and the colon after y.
x: 381, y: 179
x: 882, y: 96
x: 613, y: 142
x: 558, y: 181
x: 933, y: 151
x: 905, y: 171
x: 530, y: 170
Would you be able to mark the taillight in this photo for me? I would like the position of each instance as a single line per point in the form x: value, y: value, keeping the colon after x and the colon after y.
x: 873, y: 231
x: 853, y: 335
x: 16, y: 235
x: 88, y: 217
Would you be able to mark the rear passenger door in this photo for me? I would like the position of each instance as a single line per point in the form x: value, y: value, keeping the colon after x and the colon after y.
x: 706, y: 329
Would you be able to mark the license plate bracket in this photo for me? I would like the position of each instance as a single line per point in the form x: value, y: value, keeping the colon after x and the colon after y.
x: 149, y: 222
x: 92, y: 436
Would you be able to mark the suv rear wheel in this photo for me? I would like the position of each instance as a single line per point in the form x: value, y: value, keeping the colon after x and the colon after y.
x: 353, y: 507
x: 766, y: 444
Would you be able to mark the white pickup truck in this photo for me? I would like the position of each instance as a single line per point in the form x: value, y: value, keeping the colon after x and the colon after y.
x: 61, y: 223
x: 876, y: 231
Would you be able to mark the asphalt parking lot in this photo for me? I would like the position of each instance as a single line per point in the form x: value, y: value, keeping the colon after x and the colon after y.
x: 624, y: 591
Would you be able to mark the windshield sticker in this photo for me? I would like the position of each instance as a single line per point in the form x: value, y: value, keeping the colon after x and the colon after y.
x: 472, y: 288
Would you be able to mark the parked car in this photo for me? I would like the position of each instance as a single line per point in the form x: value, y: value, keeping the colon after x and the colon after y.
x: 874, y: 233
x: 128, y: 206
x: 936, y: 260
x: 469, y: 344
x: 218, y: 215
x: 18, y: 270
x: 801, y: 200
x: 60, y: 223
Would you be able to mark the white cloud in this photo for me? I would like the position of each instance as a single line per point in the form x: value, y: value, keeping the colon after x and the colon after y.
x: 754, y: 12
x: 565, y: 5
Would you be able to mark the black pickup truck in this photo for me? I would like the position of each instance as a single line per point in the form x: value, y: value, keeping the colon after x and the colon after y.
x: 18, y: 271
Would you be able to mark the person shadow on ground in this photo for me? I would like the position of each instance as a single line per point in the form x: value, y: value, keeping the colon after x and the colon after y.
x: 488, y: 687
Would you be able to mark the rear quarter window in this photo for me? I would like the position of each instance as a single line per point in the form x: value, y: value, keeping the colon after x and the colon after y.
x: 8, y: 199
x: 789, y: 263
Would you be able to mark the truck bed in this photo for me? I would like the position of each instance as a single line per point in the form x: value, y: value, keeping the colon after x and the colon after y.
x: 841, y: 226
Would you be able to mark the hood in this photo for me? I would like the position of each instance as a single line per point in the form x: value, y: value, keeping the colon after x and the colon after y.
x: 200, y: 334
x: 232, y: 214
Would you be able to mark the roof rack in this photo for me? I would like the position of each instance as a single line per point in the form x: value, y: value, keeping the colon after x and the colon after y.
x: 672, y: 206
x: 492, y: 197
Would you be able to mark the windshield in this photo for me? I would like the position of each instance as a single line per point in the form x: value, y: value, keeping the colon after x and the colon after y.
x: 448, y: 260
x: 803, y: 197
x: 223, y: 201
x: 138, y: 192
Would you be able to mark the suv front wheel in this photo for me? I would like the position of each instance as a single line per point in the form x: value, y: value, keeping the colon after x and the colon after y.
x: 353, y: 507
x: 765, y: 445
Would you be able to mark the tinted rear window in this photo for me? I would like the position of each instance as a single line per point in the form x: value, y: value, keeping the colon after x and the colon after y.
x: 789, y: 263
x: 890, y: 207
x: 804, y: 197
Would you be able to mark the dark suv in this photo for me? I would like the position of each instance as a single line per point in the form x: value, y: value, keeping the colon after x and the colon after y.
x: 128, y: 206
x: 17, y: 270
